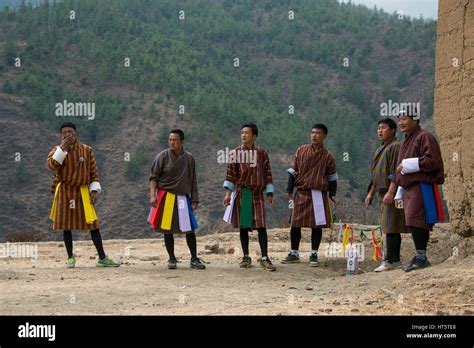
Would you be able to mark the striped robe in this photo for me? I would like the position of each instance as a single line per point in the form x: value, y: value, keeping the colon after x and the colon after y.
x: 78, y: 168
x: 383, y: 168
x: 311, y: 169
x: 258, y: 179
x: 422, y: 145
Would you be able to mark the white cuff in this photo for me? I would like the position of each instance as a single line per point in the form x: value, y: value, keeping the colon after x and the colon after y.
x: 333, y: 177
x: 269, y: 188
x: 399, y: 194
x: 228, y: 185
x: 95, y: 186
x: 59, y: 155
x: 410, y: 165
x: 291, y: 171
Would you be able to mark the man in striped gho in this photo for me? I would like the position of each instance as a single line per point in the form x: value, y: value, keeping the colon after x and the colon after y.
x: 246, y: 183
x: 75, y: 192
x: 313, y: 173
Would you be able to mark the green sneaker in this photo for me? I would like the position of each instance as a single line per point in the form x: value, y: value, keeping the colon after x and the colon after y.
x: 291, y: 258
x: 71, y: 262
x: 313, y: 260
x: 107, y: 262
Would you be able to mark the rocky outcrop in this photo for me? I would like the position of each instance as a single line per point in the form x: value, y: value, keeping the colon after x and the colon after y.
x: 454, y: 108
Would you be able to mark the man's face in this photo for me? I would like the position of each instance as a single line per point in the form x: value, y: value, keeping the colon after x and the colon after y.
x: 247, y: 136
x: 175, y: 142
x: 406, y: 124
x: 317, y: 136
x: 384, y: 132
x: 68, y: 132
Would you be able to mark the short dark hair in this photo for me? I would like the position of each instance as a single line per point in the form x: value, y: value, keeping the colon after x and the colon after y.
x: 179, y: 132
x: 320, y: 126
x: 389, y: 122
x: 252, y: 127
x: 67, y: 124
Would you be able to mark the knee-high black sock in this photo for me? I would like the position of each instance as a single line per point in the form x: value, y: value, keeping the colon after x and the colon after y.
x: 394, y: 241
x: 244, y: 240
x: 316, y: 235
x: 192, y: 244
x: 420, y: 237
x: 295, y: 237
x: 97, y: 239
x: 169, y: 243
x: 263, y: 241
x: 68, y: 242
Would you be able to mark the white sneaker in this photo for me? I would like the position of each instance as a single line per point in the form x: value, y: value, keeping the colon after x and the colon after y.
x: 387, y: 266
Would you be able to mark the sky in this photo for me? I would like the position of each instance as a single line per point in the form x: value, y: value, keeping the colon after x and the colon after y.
x: 412, y: 8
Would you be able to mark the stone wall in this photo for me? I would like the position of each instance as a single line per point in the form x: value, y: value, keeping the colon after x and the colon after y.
x: 454, y: 108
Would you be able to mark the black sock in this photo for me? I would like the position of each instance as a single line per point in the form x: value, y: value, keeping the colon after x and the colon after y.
x: 192, y: 244
x: 316, y: 235
x: 68, y: 242
x: 394, y: 241
x: 263, y: 241
x: 169, y: 243
x: 97, y: 239
x: 244, y: 240
x: 420, y: 237
x: 295, y: 237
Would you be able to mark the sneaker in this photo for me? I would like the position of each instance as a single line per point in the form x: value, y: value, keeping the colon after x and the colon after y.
x: 172, y: 264
x: 387, y: 266
x: 71, y: 262
x: 313, y: 260
x: 197, y: 263
x: 267, y: 264
x: 246, y: 262
x: 107, y: 262
x: 417, y: 264
x: 291, y: 258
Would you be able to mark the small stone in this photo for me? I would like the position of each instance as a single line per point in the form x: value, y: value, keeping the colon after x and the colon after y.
x: 60, y: 245
x: 149, y: 258
x: 33, y: 266
x: 61, y: 278
x: 336, y: 303
x: 213, y: 246
x: 91, y: 257
x: 231, y: 251
x: 309, y: 288
x: 327, y: 310
x: 153, y: 263
x: 354, y: 310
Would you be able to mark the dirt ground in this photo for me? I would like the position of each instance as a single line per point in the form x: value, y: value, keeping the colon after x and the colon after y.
x: 144, y: 286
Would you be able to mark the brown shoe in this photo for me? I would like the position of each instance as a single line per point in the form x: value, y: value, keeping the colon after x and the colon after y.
x: 267, y: 264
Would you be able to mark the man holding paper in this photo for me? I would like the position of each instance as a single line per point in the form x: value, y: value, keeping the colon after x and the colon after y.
x: 419, y: 171
x: 245, y: 184
x: 313, y: 173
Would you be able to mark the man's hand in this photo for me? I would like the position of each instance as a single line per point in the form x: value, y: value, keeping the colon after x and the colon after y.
x: 194, y: 205
x: 399, y: 168
x: 93, y: 197
x: 388, y: 198
x: 69, y: 140
x: 153, y: 201
x: 368, y: 199
x: 335, y: 200
x: 227, y: 198
x: 270, y: 199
